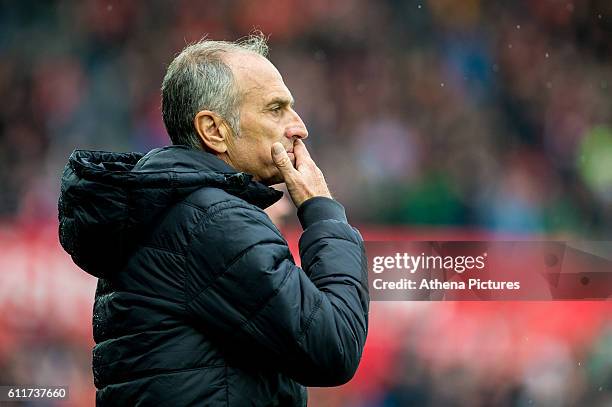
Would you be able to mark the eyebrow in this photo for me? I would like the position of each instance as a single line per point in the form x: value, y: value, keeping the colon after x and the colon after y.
x: 281, y: 101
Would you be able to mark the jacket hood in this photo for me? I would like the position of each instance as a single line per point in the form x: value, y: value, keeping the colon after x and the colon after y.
x: 108, y: 200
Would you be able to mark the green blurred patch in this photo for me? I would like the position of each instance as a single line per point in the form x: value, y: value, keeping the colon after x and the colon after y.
x: 431, y: 201
x: 595, y: 160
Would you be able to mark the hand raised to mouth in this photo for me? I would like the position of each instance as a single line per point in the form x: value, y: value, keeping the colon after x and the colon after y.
x: 304, y: 180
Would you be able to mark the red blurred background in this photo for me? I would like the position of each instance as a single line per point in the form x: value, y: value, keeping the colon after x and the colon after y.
x: 432, y: 120
x: 417, y: 353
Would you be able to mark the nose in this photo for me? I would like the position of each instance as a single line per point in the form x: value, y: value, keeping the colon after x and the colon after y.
x: 297, y: 128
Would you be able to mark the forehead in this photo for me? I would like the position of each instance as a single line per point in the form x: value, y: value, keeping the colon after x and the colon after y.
x: 257, y: 77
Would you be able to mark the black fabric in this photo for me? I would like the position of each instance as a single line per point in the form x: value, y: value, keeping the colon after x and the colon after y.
x: 199, y: 301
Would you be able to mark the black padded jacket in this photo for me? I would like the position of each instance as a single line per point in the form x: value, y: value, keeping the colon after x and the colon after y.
x: 199, y: 301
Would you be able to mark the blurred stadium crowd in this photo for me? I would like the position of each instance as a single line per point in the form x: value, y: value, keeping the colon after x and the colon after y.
x: 487, y: 114
x: 477, y: 115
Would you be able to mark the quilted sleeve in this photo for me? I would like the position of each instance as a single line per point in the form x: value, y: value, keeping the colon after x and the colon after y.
x: 244, y: 290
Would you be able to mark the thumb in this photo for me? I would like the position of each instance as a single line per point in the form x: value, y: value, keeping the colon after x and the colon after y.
x: 281, y: 160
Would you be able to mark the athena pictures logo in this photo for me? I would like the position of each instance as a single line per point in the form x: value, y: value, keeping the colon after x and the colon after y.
x: 496, y: 270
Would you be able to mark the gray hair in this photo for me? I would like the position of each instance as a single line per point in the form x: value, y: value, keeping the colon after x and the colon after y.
x: 199, y: 79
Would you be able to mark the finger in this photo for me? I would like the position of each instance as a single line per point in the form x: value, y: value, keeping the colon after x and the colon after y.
x: 302, y: 156
x: 301, y: 147
x: 282, y: 161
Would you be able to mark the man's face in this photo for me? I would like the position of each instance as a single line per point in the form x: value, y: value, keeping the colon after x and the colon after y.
x: 266, y: 116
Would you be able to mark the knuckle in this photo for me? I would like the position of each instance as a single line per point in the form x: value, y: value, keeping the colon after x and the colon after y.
x: 283, y: 161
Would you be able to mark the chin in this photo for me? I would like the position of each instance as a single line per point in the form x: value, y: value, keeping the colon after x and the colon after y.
x: 273, y: 179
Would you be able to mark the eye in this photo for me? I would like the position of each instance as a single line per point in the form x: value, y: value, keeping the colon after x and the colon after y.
x: 276, y: 109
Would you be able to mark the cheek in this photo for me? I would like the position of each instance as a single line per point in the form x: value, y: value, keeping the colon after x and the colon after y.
x: 265, y: 154
x: 261, y: 132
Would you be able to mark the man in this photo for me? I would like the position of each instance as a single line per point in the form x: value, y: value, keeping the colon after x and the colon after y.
x: 199, y: 301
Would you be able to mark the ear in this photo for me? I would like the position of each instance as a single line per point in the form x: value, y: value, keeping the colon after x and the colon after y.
x: 212, y: 131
